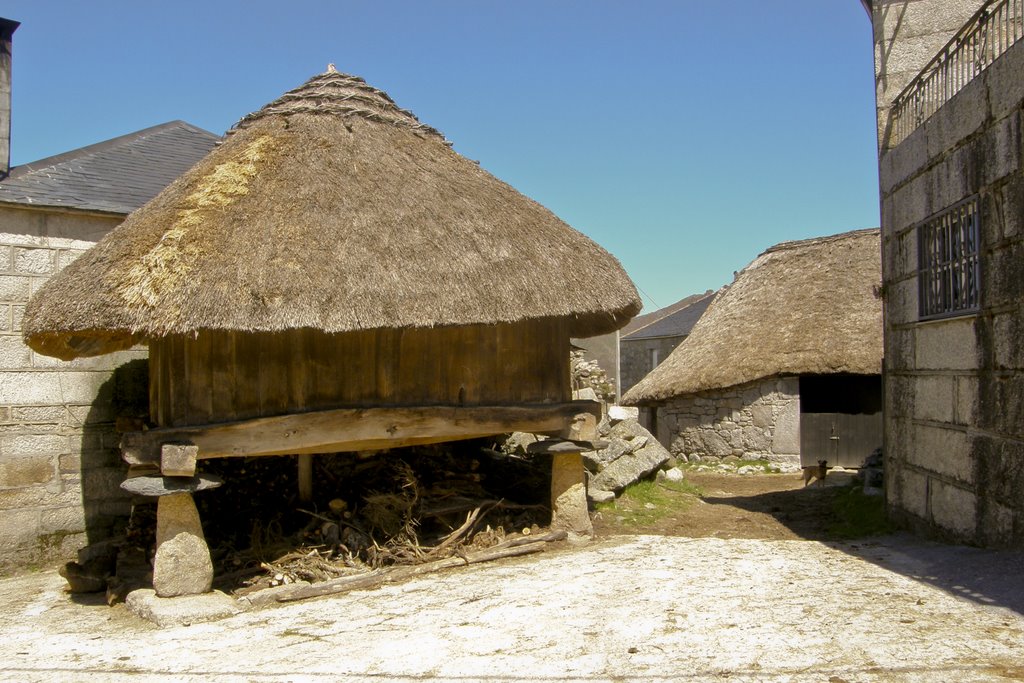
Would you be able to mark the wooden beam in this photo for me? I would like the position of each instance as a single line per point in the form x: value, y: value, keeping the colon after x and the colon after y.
x: 305, y: 477
x: 354, y: 429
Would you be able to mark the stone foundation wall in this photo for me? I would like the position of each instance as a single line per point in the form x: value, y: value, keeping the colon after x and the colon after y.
x: 756, y: 420
x: 59, y: 464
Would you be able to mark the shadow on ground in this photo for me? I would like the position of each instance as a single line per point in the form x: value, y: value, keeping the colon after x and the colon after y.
x: 994, y: 578
x: 798, y: 513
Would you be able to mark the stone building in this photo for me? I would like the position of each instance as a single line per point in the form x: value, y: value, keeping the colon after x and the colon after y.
x: 645, y: 347
x: 950, y: 99
x: 604, y: 351
x: 59, y: 465
x: 784, y: 365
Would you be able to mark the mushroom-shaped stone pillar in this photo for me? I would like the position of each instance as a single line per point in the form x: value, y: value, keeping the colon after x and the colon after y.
x: 568, y: 485
x: 182, y: 565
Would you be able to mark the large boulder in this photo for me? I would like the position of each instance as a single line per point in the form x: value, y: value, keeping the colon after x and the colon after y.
x: 595, y: 461
x: 643, y: 457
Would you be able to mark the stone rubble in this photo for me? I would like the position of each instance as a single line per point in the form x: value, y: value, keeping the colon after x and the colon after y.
x: 588, y: 374
x: 631, y: 454
x: 672, y: 474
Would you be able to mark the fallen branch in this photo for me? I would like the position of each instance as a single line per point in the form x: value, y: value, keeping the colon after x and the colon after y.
x: 457, y: 534
x: 557, y: 535
x: 514, y: 548
x: 469, y: 504
x: 344, y: 584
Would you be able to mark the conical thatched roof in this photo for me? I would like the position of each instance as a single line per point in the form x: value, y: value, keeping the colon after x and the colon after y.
x: 330, y: 208
x: 805, y: 307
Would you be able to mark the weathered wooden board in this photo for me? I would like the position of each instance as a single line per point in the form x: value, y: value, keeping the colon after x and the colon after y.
x: 222, y: 376
x: 355, y: 429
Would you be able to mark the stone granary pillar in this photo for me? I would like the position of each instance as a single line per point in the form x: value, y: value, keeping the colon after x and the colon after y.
x: 569, y: 510
x: 182, y: 565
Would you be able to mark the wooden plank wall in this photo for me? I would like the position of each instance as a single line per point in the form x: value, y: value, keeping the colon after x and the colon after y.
x: 220, y: 376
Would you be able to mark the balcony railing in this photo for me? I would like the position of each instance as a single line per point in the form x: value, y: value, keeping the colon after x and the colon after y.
x: 988, y: 34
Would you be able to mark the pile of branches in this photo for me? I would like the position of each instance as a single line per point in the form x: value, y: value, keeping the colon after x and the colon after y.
x: 417, y: 507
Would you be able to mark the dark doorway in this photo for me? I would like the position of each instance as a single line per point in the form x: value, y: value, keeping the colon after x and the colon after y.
x: 840, y: 418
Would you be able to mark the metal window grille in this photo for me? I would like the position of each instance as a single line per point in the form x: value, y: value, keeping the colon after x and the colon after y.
x: 949, y: 277
x: 993, y: 29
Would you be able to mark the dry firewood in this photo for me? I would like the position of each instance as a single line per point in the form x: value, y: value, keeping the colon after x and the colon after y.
x: 371, y: 579
x: 457, y: 534
x: 557, y: 535
x: 317, y: 515
x: 464, y: 505
x: 460, y: 505
x: 471, y: 558
x: 378, y: 577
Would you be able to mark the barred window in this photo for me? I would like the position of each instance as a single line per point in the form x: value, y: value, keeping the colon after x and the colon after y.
x: 948, y: 250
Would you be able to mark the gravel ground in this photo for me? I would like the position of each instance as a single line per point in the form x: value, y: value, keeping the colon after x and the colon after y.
x: 630, y: 608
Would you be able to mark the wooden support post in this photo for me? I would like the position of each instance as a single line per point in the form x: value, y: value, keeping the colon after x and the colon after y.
x: 305, y: 477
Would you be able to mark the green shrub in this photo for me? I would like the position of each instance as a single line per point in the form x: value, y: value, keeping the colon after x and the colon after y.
x: 857, y: 515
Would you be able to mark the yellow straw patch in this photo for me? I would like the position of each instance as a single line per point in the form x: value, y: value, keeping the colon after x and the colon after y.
x: 166, y: 265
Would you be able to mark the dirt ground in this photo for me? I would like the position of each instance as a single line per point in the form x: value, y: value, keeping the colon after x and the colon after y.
x: 768, y: 507
x: 741, y: 585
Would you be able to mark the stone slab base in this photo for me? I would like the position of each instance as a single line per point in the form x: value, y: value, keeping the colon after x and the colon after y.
x: 180, y: 611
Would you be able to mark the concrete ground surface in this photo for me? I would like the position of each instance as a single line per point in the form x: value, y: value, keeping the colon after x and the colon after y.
x: 631, y: 608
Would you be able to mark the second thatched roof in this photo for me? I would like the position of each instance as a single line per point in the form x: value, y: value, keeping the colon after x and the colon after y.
x: 807, y: 307
x: 330, y: 208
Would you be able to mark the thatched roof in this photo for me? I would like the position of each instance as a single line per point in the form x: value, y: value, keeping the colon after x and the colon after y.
x: 330, y: 208
x: 806, y: 307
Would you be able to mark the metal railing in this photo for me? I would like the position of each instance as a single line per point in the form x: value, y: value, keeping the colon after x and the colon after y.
x: 987, y: 35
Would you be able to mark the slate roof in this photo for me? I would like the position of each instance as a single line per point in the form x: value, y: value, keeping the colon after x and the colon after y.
x: 675, y: 324
x: 115, y: 176
x: 648, y: 318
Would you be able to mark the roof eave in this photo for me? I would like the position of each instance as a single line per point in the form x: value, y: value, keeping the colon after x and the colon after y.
x: 60, y: 208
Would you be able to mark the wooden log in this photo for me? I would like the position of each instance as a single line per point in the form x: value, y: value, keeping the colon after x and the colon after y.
x: 352, y: 429
x: 339, y: 585
x: 550, y: 537
x: 374, y: 579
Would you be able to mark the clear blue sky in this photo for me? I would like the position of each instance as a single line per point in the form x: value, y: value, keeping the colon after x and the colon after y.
x: 684, y: 136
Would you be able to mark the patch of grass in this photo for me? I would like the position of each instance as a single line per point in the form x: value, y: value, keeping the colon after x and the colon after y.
x: 857, y: 515
x: 648, y: 501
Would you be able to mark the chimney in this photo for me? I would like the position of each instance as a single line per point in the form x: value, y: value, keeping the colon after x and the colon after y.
x: 7, y: 29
